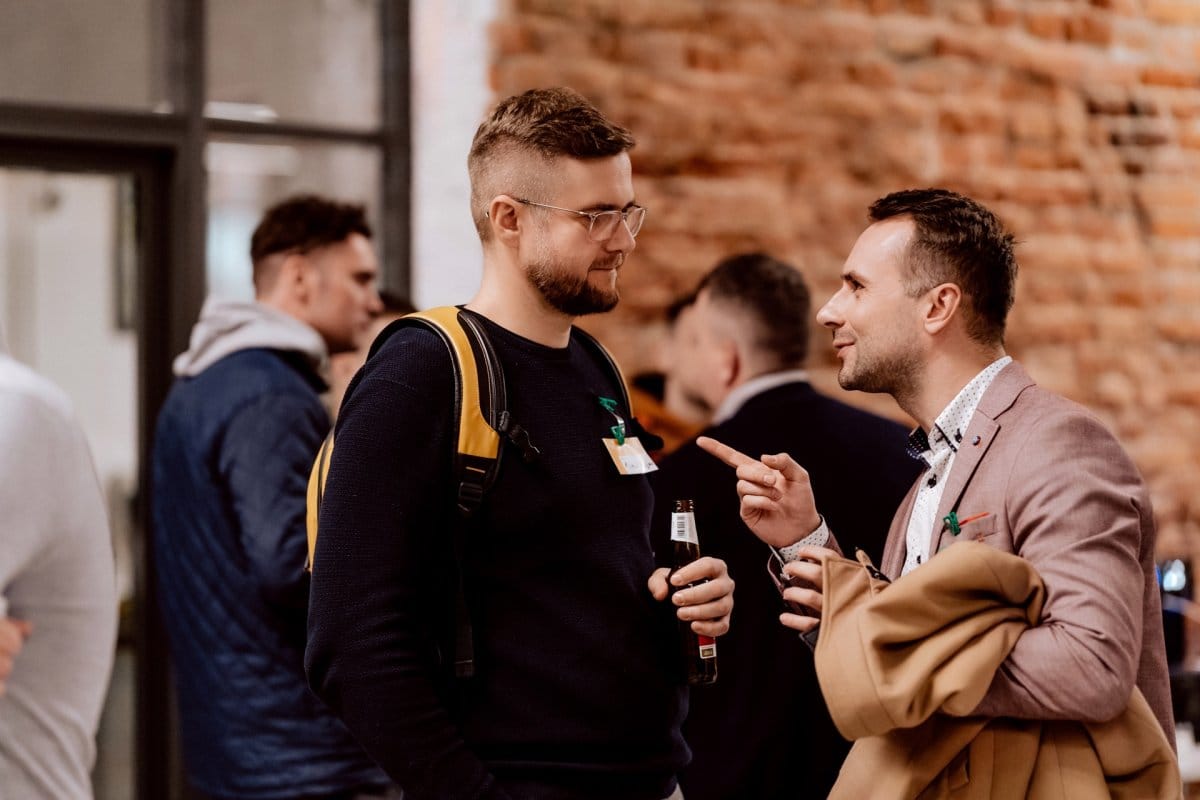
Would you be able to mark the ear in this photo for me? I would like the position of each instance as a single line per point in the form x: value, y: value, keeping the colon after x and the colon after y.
x: 942, y: 306
x: 503, y: 216
x: 297, y: 277
x: 729, y: 363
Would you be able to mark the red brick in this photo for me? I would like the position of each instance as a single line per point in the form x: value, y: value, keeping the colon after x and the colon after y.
x: 1122, y: 7
x: 1091, y: 29
x: 967, y: 12
x: 1115, y: 389
x: 1002, y: 16
x: 906, y: 37
x: 1166, y: 76
x: 1173, y: 12
x: 1183, y: 328
x: 1046, y: 25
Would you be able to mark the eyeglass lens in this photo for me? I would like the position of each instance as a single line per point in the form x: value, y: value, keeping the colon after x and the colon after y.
x: 605, y: 223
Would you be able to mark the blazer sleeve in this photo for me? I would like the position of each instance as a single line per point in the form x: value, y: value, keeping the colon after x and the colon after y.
x: 1075, y: 505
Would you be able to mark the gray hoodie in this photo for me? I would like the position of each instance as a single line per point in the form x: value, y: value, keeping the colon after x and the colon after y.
x: 228, y: 326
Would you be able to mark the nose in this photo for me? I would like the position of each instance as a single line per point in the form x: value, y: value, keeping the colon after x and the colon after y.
x: 829, y: 316
x: 374, y: 302
x: 622, y: 239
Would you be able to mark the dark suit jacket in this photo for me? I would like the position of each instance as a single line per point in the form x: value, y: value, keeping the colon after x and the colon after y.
x: 764, y: 722
x: 1059, y: 491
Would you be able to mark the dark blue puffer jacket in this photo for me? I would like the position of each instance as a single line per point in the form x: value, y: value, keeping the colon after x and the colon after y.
x: 232, y: 452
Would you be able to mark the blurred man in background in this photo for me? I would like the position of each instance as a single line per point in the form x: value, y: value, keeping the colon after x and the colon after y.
x: 764, y: 721
x: 664, y: 406
x: 57, y: 580
x: 235, y: 441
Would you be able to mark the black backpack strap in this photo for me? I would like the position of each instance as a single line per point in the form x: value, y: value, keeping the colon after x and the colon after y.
x: 649, y: 440
x: 480, y: 416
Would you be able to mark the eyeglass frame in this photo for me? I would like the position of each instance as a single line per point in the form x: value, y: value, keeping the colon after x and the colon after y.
x: 592, y: 216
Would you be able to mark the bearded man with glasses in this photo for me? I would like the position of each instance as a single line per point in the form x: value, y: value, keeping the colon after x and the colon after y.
x: 578, y: 692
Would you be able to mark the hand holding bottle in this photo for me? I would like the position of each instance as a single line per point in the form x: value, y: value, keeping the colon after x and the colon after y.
x: 707, y: 605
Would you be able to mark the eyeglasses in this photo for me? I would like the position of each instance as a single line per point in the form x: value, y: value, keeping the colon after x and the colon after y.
x: 602, y: 224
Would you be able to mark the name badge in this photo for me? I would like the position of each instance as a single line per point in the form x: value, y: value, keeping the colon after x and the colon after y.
x: 630, y: 457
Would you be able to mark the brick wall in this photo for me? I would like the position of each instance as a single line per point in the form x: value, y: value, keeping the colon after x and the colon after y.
x: 772, y: 125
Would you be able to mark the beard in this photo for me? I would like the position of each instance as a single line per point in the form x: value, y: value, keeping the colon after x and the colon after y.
x: 570, y: 294
x: 896, y: 373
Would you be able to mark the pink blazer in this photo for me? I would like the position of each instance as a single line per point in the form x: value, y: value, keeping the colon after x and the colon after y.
x: 1057, y: 489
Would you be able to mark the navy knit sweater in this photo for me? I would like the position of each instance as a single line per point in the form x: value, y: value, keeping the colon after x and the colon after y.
x: 577, y: 691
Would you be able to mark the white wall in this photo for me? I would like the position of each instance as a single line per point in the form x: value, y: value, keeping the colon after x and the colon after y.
x: 450, y: 96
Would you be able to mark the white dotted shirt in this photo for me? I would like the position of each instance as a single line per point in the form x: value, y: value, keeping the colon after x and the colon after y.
x: 937, y: 449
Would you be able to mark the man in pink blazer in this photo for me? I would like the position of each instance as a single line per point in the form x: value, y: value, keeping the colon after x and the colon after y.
x: 921, y: 315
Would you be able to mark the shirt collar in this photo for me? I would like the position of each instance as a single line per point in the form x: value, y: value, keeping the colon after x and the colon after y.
x: 737, y: 398
x: 951, y: 424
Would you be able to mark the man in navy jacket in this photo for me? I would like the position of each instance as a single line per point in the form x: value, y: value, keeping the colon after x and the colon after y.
x: 765, y: 720
x: 234, y: 444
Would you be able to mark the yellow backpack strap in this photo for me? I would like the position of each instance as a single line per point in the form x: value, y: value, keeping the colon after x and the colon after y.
x: 479, y: 398
x: 479, y: 402
x: 316, y: 490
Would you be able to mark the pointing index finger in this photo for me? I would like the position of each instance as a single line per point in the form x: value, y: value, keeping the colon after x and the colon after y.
x: 724, y: 452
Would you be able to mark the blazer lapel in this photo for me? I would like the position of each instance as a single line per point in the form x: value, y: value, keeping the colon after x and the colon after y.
x: 981, y: 432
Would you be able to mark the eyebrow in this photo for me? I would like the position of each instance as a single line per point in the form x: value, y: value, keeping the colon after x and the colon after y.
x: 851, y: 275
x: 609, y: 206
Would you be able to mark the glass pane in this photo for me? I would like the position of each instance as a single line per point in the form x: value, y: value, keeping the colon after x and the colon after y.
x: 314, y: 61
x: 67, y: 52
x: 244, y: 179
x: 67, y: 272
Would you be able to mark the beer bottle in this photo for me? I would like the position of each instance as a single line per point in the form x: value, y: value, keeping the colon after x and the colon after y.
x: 699, y: 652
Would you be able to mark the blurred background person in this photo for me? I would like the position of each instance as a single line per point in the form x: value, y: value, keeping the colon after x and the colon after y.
x: 57, y: 581
x: 343, y: 366
x: 764, y: 721
x: 664, y: 406
x: 235, y: 442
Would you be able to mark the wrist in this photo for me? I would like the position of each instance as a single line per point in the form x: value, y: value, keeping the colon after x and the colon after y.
x: 818, y: 537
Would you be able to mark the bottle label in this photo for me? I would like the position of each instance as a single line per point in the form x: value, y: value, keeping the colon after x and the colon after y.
x: 683, y: 528
x: 708, y: 647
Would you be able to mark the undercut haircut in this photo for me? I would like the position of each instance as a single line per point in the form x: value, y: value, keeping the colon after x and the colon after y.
x: 301, y: 224
x: 957, y: 240
x: 774, y: 296
x: 542, y: 123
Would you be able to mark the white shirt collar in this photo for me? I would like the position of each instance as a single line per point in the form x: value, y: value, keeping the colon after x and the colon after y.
x: 737, y: 398
x: 951, y: 425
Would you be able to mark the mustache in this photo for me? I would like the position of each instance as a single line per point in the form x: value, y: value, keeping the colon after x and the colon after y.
x: 612, y: 262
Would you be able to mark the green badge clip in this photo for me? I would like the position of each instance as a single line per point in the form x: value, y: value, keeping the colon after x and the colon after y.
x: 618, y: 430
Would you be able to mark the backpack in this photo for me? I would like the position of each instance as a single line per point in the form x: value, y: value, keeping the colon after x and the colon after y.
x: 483, y: 427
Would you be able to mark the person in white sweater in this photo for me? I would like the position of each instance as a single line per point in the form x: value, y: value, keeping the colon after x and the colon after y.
x: 58, y: 603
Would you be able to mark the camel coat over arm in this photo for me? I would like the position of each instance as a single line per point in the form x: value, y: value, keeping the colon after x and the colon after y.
x: 903, y: 666
x: 1045, y: 480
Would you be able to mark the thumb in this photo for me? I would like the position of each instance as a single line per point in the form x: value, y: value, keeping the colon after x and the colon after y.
x: 658, y: 584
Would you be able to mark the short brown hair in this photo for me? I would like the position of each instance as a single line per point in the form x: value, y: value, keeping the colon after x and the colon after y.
x: 957, y: 240
x: 301, y: 224
x: 543, y: 122
x: 774, y: 295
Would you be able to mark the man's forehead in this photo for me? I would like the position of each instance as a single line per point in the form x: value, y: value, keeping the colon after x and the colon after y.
x: 604, y: 181
x: 883, y: 242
